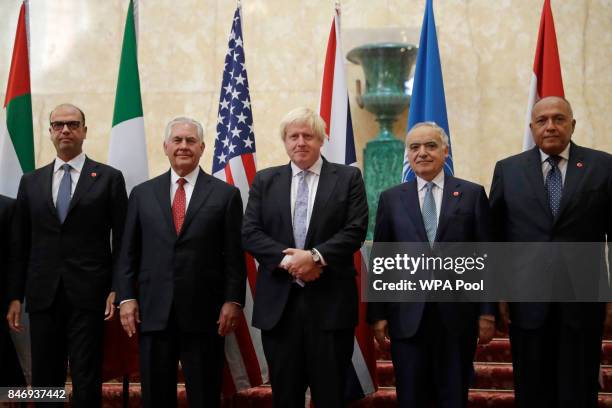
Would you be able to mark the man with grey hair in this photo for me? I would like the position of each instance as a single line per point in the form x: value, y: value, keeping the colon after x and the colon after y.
x: 181, y: 274
x: 303, y: 222
x: 432, y: 344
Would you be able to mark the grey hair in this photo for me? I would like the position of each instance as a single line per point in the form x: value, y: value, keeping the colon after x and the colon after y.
x: 304, y: 116
x: 434, y: 126
x: 183, y: 119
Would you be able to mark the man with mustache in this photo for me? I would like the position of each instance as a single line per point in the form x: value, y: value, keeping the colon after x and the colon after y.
x: 182, y: 276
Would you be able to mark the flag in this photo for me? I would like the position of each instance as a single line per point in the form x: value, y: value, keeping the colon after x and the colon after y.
x: 340, y: 148
x: 128, y: 153
x: 128, y: 147
x: 546, y: 77
x: 428, y: 103
x: 234, y: 163
x: 17, y: 146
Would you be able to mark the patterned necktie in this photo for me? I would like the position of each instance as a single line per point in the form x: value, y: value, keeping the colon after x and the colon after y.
x: 554, y: 184
x: 430, y: 214
x: 64, y: 194
x: 300, y: 212
x: 179, y: 206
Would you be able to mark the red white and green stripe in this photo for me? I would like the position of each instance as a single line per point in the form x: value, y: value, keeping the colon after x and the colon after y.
x: 546, y: 77
x: 128, y: 147
x: 16, y: 133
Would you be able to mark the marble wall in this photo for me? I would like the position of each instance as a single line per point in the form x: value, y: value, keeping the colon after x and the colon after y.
x: 486, y: 48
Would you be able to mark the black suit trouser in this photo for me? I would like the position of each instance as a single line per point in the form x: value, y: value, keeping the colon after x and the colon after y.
x: 201, y: 356
x: 435, y: 364
x: 300, y: 354
x: 62, y: 333
x: 557, y: 364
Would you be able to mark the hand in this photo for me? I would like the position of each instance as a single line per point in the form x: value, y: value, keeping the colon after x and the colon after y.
x: 129, y: 315
x: 109, y: 312
x: 486, y: 329
x: 228, y: 318
x: 301, y: 265
x: 381, y: 334
x: 13, y: 316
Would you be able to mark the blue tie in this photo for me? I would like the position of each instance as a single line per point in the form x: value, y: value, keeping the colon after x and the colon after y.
x: 554, y: 184
x: 64, y: 193
x: 300, y: 228
x: 430, y: 214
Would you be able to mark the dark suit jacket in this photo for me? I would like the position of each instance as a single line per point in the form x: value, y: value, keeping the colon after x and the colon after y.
x: 6, y: 212
x: 77, y: 252
x: 337, y: 228
x: 464, y: 217
x: 521, y: 213
x: 193, y: 273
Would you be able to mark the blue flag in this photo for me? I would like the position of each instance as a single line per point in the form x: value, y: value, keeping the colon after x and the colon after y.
x: 428, y: 103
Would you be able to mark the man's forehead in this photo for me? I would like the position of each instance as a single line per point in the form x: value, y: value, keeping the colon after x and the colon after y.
x: 424, y: 135
x: 551, y: 105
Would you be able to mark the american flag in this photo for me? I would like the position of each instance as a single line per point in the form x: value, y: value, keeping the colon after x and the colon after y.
x: 234, y: 163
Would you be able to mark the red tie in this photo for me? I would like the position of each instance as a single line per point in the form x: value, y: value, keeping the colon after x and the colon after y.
x: 178, y: 206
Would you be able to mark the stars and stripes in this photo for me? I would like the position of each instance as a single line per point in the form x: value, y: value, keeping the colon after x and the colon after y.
x: 234, y: 162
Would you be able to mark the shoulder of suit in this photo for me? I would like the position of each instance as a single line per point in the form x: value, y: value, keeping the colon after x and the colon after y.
x: 218, y: 183
x: 269, y: 171
x: 516, y: 158
x: 6, y: 201
x: 398, y: 189
x: 595, y: 154
x: 104, y: 167
x: 468, y: 185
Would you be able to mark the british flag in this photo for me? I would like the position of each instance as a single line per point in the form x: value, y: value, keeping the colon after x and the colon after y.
x: 234, y: 162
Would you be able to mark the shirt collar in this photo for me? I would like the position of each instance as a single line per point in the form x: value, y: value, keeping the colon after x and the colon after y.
x: 76, y: 163
x: 564, y: 154
x: 315, y: 168
x: 191, y: 177
x: 438, y: 181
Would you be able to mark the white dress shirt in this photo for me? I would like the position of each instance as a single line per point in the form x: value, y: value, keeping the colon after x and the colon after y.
x: 190, y: 180
x: 564, y: 155
x: 76, y: 163
x: 436, y: 190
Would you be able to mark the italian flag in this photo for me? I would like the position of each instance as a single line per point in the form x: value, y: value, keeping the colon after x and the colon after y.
x: 16, y: 133
x: 128, y: 148
x: 546, y: 77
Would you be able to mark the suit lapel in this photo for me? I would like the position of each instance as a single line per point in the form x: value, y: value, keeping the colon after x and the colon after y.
x: 533, y: 172
x: 327, y: 182
x: 201, y: 191
x: 45, y: 185
x: 162, y: 194
x: 87, y: 179
x: 410, y: 199
x: 451, y: 196
x: 282, y: 192
x: 573, y: 177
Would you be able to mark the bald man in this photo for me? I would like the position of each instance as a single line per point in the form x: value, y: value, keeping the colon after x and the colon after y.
x: 68, y: 223
x: 556, y: 192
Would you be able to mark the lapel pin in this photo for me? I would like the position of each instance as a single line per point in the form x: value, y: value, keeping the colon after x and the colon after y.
x: 94, y: 174
x: 579, y: 165
x: 455, y: 194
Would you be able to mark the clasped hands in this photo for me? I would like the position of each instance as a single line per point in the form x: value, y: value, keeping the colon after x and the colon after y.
x: 299, y: 263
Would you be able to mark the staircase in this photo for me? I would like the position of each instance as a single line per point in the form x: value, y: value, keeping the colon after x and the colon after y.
x: 492, y: 388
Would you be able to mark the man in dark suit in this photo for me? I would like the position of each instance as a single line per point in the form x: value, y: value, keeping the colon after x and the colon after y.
x: 303, y: 222
x: 432, y: 344
x: 182, y: 274
x: 65, y: 216
x: 11, y: 373
x: 556, y: 192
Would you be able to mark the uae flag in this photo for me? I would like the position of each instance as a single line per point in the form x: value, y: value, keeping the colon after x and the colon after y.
x: 546, y: 77
x: 16, y: 134
x: 128, y: 148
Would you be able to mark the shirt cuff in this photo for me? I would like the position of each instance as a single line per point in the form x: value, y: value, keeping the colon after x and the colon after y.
x: 323, y: 263
x: 126, y: 300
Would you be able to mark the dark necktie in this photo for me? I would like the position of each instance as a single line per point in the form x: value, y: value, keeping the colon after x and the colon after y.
x: 64, y: 194
x: 179, y: 206
x: 554, y: 184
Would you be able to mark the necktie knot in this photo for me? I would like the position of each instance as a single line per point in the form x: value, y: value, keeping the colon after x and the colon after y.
x: 66, y: 167
x: 181, y: 182
x: 429, y: 186
x: 553, y: 161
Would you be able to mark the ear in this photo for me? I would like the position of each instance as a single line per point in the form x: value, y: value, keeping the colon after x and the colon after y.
x: 85, y: 131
